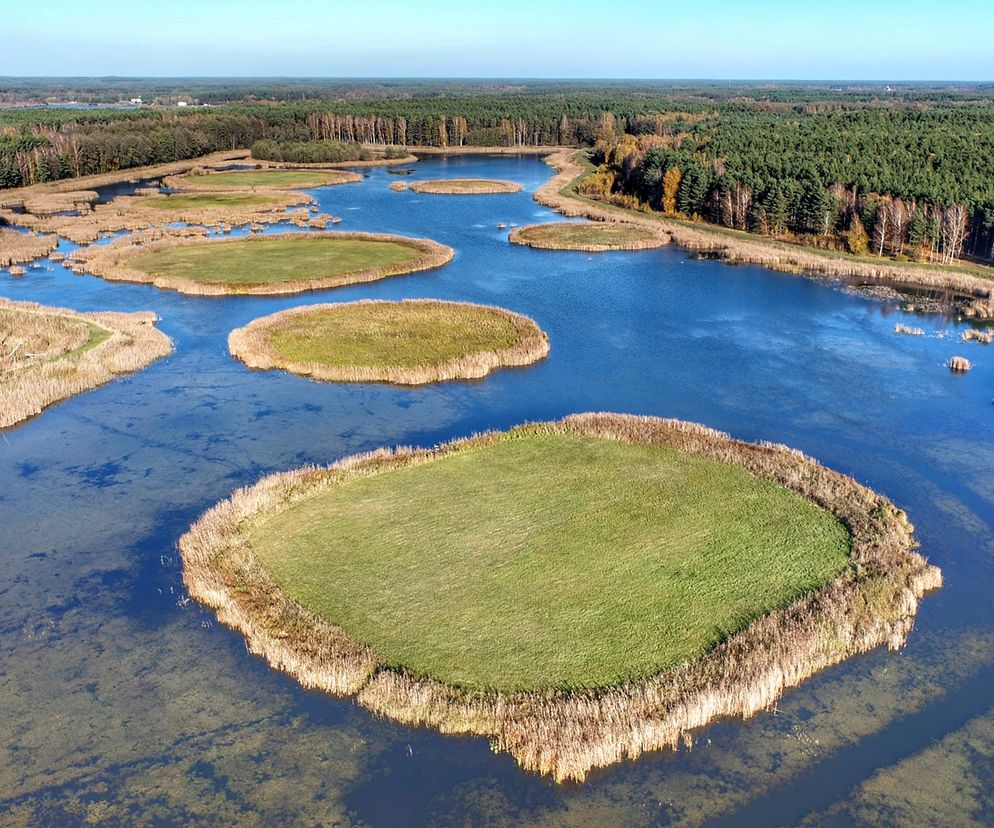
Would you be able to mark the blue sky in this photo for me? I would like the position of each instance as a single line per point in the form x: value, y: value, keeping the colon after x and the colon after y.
x: 844, y: 39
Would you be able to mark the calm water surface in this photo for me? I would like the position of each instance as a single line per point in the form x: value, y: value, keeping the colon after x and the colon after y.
x: 125, y: 703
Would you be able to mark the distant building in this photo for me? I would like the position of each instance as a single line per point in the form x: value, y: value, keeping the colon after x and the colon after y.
x: 181, y: 103
x: 137, y: 101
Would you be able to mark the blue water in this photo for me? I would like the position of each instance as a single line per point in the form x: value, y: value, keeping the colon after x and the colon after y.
x: 122, y: 699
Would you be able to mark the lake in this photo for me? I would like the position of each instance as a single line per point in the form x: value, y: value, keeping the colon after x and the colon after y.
x: 125, y: 702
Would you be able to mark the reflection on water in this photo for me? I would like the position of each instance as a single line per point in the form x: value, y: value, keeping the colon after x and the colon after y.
x: 124, y: 702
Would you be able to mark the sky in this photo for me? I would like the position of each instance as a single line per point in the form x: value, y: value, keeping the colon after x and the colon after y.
x: 748, y: 39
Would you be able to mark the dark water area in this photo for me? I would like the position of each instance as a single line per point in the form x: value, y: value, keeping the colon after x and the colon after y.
x: 126, y: 703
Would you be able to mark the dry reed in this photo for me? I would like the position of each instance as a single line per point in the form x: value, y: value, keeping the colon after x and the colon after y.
x: 111, y: 262
x: 984, y: 337
x: 565, y: 734
x: 252, y: 345
x: 741, y: 248
x: 398, y: 186
x: 907, y: 330
x: 464, y: 186
x: 959, y: 365
x: 18, y: 247
x: 47, y: 203
x: 43, y: 358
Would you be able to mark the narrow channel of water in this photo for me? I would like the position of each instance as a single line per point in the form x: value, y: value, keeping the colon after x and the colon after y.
x: 123, y: 702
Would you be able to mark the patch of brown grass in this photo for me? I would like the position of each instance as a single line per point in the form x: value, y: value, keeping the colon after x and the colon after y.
x: 23, y: 247
x: 565, y: 734
x: 252, y: 344
x: 959, y: 365
x: 907, y: 330
x: 50, y: 354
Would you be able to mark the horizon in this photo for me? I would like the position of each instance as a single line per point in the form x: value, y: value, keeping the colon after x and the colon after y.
x: 849, y: 42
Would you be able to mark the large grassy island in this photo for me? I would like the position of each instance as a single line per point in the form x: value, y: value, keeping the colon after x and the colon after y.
x: 412, y: 342
x: 579, y: 591
x: 271, y: 264
x: 593, y: 237
x: 465, y: 186
x: 50, y: 354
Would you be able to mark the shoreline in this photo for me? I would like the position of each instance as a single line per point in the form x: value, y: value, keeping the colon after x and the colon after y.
x: 770, y: 253
x: 566, y: 734
x: 250, y: 345
x: 133, y: 343
x: 110, y: 262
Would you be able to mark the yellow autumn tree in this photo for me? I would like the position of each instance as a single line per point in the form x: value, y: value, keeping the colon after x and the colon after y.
x: 857, y: 238
x: 671, y: 186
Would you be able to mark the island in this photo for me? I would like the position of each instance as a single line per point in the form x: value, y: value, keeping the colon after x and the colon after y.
x: 464, y: 186
x: 412, y: 342
x: 50, y: 354
x: 265, y: 264
x: 593, y: 237
x: 578, y: 591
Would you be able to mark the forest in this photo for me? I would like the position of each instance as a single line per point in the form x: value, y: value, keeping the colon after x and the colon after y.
x: 907, y: 173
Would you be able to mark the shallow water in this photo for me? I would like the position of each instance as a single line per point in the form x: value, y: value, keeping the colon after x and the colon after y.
x: 124, y: 702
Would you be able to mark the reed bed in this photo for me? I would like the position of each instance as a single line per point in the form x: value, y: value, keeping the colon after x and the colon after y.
x: 46, y: 204
x: 592, y: 237
x: 464, y: 186
x: 143, y: 212
x: 739, y: 248
x: 270, y: 178
x: 398, y: 186
x: 50, y: 354
x: 907, y: 330
x: 112, y: 262
x: 984, y: 337
x: 959, y: 365
x: 527, y: 343
x: 18, y: 247
x: 567, y: 733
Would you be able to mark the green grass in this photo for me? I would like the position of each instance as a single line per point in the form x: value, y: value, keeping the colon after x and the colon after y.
x: 391, y: 335
x: 208, y: 201
x: 550, y: 560
x: 284, y: 179
x: 98, y: 334
x: 272, y: 261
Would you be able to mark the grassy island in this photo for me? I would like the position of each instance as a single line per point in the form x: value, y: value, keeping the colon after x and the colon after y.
x: 465, y: 186
x: 50, y: 354
x: 593, y: 237
x: 578, y: 591
x: 408, y: 343
x: 271, y: 264
x: 267, y: 179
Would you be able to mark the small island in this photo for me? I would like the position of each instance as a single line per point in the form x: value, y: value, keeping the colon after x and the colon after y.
x: 267, y: 179
x: 578, y: 591
x: 464, y: 186
x: 592, y: 237
x: 50, y: 354
x: 412, y: 342
x: 270, y: 264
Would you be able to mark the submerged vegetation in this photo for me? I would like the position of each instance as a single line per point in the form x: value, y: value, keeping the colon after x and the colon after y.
x: 590, y: 236
x: 464, y: 186
x: 412, y: 342
x: 49, y: 354
x: 271, y: 264
x: 480, y: 652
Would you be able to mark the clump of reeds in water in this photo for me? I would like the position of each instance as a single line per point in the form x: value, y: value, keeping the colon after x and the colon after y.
x: 984, y: 336
x: 18, y: 247
x: 908, y: 330
x: 959, y: 365
x: 17, y: 270
x: 564, y: 733
x: 398, y: 186
x: 44, y: 356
